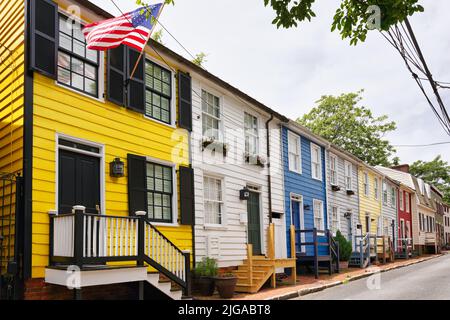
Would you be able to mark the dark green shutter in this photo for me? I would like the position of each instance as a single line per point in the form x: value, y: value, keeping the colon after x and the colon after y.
x: 137, y: 184
x: 44, y: 37
x: 136, y: 85
x: 187, y: 199
x: 184, y: 101
x: 116, y: 75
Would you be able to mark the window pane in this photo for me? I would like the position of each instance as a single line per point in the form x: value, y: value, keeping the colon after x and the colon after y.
x: 92, y: 55
x: 77, y: 81
x: 90, y: 72
x: 78, y: 48
x: 77, y: 66
x: 90, y: 86
x: 65, y: 41
x: 65, y: 25
x: 63, y: 76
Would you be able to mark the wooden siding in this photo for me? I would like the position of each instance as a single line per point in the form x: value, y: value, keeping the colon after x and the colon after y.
x: 367, y: 203
x: 341, y: 199
x: 303, y: 184
x: 389, y: 210
x: 60, y: 110
x: 228, y: 242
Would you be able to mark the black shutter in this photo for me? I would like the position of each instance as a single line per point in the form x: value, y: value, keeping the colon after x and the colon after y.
x: 136, y: 85
x: 116, y: 75
x: 137, y: 185
x: 44, y: 37
x: 187, y: 204
x: 184, y: 101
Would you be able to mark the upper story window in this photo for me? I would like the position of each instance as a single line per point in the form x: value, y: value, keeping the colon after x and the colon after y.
x: 213, y: 200
x: 251, y: 134
x: 319, y: 220
x: 348, y: 175
x: 393, y: 200
x: 211, y: 116
x: 366, y: 184
x: 77, y: 66
x: 158, y: 92
x: 294, y: 150
x: 316, y: 162
x: 333, y: 170
x: 334, y: 220
x: 376, y: 189
x: 400, y: 200
x: 407, y: 203
x: 159, y: 192
x: 385, y: 193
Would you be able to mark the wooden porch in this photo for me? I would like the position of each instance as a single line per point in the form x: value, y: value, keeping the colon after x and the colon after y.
x: 257, y: 270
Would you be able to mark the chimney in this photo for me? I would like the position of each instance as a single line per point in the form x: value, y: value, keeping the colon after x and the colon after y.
x: 402, y: 167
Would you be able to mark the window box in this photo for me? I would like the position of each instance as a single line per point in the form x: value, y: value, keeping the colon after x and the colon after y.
x: 255, y: 159
x: 215, y: 145
x: 350, y: 192
x: 335, y: 188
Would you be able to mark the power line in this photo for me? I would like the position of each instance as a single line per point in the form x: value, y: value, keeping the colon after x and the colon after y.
x: 421, y: 145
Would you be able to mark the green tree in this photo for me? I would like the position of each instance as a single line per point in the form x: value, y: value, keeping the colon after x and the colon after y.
x: 200, y: 59
x: 353, y: 18
x: 354, y: 128
x: 435, y: 172
x: 157, y: 36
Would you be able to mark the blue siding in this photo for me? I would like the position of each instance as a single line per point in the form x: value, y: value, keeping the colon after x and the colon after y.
x: 303, y: 184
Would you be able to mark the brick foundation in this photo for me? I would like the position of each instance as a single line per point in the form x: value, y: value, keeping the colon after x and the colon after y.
x: 37, y: 289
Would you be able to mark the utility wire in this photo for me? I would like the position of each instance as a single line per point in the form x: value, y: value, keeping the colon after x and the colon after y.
x: 420, y: 145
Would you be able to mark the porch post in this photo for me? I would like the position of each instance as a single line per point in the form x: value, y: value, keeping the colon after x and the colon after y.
x: 78, y: 237
x: 141, y: 237
x: 51, y: 214
x: 187, y: 261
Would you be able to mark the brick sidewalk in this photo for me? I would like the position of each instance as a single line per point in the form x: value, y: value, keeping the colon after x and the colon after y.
x: 307, y: 283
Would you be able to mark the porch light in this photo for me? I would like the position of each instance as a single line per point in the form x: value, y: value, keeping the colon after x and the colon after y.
x: 307, y: 207
x: 117, y: 168
x: 244, y: 194
x: 347, y: 215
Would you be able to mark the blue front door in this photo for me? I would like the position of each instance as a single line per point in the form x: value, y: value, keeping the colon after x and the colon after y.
x: 297, y: 221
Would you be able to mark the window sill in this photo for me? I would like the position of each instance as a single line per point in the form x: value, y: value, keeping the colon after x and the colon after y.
x: 165, y: 224
x: 160, y: 122
x: 318, y: 179
x: 294, y: 171
x: 79, y: 92
x: 217, y: 227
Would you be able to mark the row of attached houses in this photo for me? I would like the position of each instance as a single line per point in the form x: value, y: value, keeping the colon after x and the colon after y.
x: 128, y: 183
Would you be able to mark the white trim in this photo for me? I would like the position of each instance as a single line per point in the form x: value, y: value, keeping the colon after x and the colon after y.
x: 299, y: 199
x: 221, y: 118
x: 338, y: 215
x: 175, y: 212
x: 100, y: 155
x: 366, y: 182
x: 223, y: 224
x: 322, y: 213
x: 350, y: 174
x: 295, y: 136
x: 332, y: 157
x: 258, y: 189
x: 316, y: 147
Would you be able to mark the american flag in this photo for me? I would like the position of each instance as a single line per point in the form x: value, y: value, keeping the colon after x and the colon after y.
x: 132, y: 29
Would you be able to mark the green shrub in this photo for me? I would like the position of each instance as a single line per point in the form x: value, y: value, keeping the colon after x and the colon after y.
x: 206, y: 268
x: 345, y: 247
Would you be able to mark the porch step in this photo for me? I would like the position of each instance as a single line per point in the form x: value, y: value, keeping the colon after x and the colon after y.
x: 165, y: 286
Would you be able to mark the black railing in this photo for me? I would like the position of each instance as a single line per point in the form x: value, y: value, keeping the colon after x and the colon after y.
x: 84, y: 239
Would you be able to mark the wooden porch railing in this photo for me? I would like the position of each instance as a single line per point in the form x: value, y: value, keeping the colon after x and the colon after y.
x: 363, y: 247
x: 405, y: 246
x: 84, y: 239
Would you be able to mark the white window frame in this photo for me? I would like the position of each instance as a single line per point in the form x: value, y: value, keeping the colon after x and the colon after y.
x: 294, y: 138
x: 376, y: 188
x: 385, y: 193
x: 334, y: 228
x: 316, y: 203
x: 386, y: 223
x: 315, y: 147
x: 366, y: 184
x: 299, y: 199
x: 401, y: 199
x: 251, y: 134
x: 407, y: 203
x: 402, y: 229
x: 393, y: 198
x: 334, y: 170
x: 203, y: 113
x: 221, y: 203
x: 348, y: 169
x: 408, y: 227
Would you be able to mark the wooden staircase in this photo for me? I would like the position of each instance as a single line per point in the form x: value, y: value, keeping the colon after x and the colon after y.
x: 257, y: 270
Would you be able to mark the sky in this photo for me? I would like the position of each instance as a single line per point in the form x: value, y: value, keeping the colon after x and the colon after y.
x: 289, y: 70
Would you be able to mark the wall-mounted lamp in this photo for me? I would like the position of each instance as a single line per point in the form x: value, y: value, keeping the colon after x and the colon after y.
x: 347, y: 215
x: 307, y: 207
x: 244, y: 194
x: 117, y: 168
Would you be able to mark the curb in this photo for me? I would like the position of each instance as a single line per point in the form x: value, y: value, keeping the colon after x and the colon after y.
x: 306, y: 291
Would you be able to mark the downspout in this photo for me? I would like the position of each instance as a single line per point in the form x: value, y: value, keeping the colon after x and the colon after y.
x: 269, y: 177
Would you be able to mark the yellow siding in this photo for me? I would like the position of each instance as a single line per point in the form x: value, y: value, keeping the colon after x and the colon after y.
x: 11, y: 110
x: 368, y: 204
x: 121, y: 131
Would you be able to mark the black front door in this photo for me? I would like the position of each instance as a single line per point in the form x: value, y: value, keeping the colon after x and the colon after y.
x: 78, y: 182
x: 254, y: 225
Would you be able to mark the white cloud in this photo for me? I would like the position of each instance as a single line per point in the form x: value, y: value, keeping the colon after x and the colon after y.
x: 290, y: 69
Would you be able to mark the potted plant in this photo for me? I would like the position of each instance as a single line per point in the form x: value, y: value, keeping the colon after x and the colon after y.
x: 226, y: 283
x: 345, y: 250
x: 255, y: 159
x: 213, y: 145
x: 204, y: 273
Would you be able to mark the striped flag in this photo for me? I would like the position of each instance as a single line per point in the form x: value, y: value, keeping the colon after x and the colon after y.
x: 132, y: 29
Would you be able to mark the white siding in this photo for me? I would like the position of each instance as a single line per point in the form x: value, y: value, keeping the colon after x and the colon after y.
x: 389, y: 209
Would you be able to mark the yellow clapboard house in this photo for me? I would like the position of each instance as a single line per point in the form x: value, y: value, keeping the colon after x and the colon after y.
x: 370, y: 183
x: 105, y: 159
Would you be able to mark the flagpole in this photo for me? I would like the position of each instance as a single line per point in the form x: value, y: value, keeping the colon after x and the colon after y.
x: 150, y: 34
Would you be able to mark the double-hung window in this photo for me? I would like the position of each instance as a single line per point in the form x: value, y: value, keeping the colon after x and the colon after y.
x: 393, y: 198
x: 334, y: 219
x: 348, y: 175
x: 316, y: 162
x: 366, y: 184
x: 294, y: 150
x: 251, y: 134
x: 385, y: 193
x: 158, y: 92
x: 159, y: 192
x: 400, y: 200
x: 386, y: 227
x: 213, y: 200
x: 407, y: 203
x: 211, y: 116
x: 376, y: 189
x: 78, y: 67
x: 319, y: 221
x: 333, y: 170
